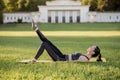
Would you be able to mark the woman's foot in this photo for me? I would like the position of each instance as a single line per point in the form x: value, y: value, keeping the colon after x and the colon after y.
x: 33, y: 60
x: 34, y: 25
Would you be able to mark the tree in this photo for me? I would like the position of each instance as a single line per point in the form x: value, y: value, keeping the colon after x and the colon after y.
x: 93, y: 5
x: 85, y: 2
x: 22, y: 5
x: 113, y: 5
x: 117, y: 5
x: 2, y: 6
x: 101, y: 5
x: 32, y: 5
x: 10, y: 5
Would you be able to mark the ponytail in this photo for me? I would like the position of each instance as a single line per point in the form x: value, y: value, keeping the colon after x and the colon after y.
x: 97, y: 53
x: 99, y: 58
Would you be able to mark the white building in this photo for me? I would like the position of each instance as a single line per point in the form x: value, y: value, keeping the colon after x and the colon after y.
x: 63, y: 11
x: 104, y: 16
x: 25, y: 17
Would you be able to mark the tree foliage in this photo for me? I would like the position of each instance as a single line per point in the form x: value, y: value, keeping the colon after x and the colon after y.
x: 10, y: 5
x: 31, y: 5
x: 23, y: 5
x: 2, y: 6
x: 113, y: 5
x: 102, y: 5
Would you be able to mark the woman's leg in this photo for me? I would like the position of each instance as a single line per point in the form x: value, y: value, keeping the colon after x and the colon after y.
x: 44, y: 39
x: 50, y: 51
x: 40, y: 51
x: 41, y: 36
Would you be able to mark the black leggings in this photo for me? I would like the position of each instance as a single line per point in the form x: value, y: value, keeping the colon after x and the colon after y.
x: 52, y: 50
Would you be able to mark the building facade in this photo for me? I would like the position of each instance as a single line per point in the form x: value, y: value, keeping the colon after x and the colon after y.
x: 63, y: 11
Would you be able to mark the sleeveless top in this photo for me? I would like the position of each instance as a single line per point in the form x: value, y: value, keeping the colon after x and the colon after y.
x: 76, y: 56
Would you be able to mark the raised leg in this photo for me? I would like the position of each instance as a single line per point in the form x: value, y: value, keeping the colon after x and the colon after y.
x: 52, y: 54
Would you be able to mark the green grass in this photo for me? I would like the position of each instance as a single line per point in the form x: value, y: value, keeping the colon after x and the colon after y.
x: 64, y: 27
x: 14, y: 49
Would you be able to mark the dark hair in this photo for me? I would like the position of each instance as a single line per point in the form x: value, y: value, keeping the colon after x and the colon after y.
x: 97, y: 53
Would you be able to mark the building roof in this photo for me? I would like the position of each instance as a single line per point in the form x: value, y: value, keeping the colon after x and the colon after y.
x: 63, y: 3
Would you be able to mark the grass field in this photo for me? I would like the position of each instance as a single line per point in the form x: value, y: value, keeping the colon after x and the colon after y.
x: 15, y: 48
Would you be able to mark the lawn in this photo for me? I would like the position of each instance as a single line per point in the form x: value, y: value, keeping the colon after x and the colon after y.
x: 16, y: 48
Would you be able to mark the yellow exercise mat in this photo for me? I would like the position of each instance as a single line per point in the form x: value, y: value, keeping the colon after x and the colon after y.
x: 40, y: 61
x: 48, y: 61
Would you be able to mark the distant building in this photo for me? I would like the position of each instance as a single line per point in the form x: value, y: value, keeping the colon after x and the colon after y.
x: 63, y: 11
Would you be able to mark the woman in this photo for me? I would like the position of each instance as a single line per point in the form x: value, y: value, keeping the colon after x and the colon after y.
x: 57, y: 55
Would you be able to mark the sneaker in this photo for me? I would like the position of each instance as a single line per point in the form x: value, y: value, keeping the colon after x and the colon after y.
x: 33, y: 60
x: 34, y: 25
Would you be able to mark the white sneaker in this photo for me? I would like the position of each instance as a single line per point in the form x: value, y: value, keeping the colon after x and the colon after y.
x: 33, y: 60
x: 34, y: 25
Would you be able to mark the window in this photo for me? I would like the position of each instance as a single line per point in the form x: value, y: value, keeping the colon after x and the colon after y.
x: 71, y: 19
x: 117, y: 17
x: 56, y: 19
x: 11, y: 18
x: 14, y: 18
x: 78, y: 19
x: 7, y: 18
x: 63, y: 19
x: 110, y: 17
x: 49, y: 19
x: 28, y: 18
x: 25, y: 18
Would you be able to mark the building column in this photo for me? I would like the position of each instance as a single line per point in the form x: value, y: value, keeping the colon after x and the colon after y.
x: 74, y: 14
x: 67, y: 17
x: 59, y: 16
x: 78, y: 16
x: 52, y: 16
x: 84, y: 14
x: 43, y: 14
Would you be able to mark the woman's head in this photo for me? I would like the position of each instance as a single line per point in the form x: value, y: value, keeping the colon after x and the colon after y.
x: 95, y: 51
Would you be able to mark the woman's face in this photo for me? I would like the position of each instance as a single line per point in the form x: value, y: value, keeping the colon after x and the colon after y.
x: 91, y: 49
